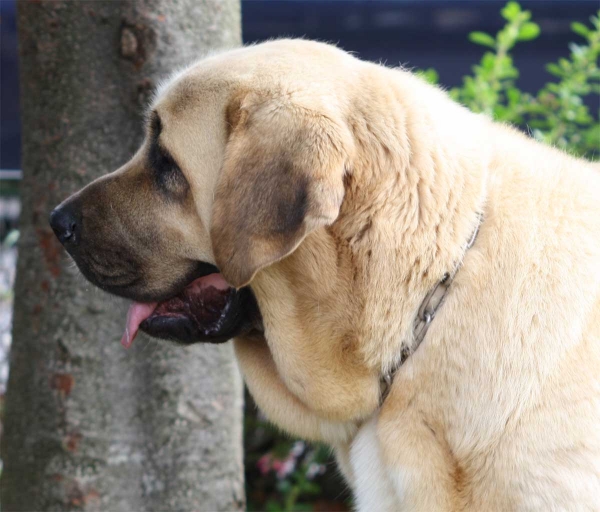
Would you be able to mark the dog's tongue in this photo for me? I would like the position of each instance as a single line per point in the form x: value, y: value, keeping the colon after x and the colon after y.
x: 140, y: 311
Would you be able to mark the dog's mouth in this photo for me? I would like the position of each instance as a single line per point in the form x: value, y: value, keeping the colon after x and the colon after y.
x: 206, y: 310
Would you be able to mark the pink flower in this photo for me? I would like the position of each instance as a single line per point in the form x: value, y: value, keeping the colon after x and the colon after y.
x: 264, y: 464
x: 314, y: 469
x: 297, y: 449
x: 286, y: 467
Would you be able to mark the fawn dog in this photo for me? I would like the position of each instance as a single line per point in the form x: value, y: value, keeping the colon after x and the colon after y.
x: 405, y: 280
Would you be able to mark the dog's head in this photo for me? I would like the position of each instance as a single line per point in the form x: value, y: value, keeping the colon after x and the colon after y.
x: 244, y: 158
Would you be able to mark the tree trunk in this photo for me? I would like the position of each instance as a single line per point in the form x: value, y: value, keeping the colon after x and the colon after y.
x: 89, y: 426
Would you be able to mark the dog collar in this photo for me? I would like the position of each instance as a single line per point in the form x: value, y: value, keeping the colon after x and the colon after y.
x: 425, y: 315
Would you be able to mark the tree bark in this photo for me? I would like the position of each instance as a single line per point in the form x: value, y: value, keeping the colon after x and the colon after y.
x: 89, y: 426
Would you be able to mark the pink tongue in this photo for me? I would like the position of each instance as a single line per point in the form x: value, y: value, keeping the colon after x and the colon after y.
x: 215, y: 280
x: 139, y: 311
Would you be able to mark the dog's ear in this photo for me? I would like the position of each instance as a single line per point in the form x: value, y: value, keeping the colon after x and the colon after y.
x: 282, y: 177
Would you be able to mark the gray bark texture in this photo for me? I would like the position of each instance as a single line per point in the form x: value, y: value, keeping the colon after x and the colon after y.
x: 88, y: 425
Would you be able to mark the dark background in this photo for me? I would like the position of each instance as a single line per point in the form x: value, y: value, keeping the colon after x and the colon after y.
x: 414, y: 33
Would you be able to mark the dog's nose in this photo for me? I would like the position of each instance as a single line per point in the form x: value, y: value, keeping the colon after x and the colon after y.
x: 66, y: 224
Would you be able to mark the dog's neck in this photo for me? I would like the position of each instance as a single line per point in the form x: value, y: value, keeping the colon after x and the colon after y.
x: 371, y: 269
x: 406, y: 170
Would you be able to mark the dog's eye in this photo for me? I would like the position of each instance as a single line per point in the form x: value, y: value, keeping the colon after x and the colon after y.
x: 167, y: 174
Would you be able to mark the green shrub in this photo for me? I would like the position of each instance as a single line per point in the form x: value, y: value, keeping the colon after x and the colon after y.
x: 557, y: 114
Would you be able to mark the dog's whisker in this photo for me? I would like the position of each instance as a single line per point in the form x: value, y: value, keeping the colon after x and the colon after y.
x: 146, y: 345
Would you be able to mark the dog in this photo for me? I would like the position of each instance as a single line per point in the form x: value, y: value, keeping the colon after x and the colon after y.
x: 409, y: 282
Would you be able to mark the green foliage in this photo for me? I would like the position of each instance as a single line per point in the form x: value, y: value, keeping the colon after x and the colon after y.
x: 430, y: 75
x: 557, y: 114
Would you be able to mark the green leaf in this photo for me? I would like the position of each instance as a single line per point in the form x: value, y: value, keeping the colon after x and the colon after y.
x: 580, y: 28
x: 511, y: 11
x: 311, y: 488
x: 430, y: 75
x: 284, y: 486
x: 564, y: 64
x: 577, y: 50
x: 488, y: 61
x: 483, y: 39
x: 273, y: 506
x: 528, y: 31
x: 554, y: 69
x: 513, y: 94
